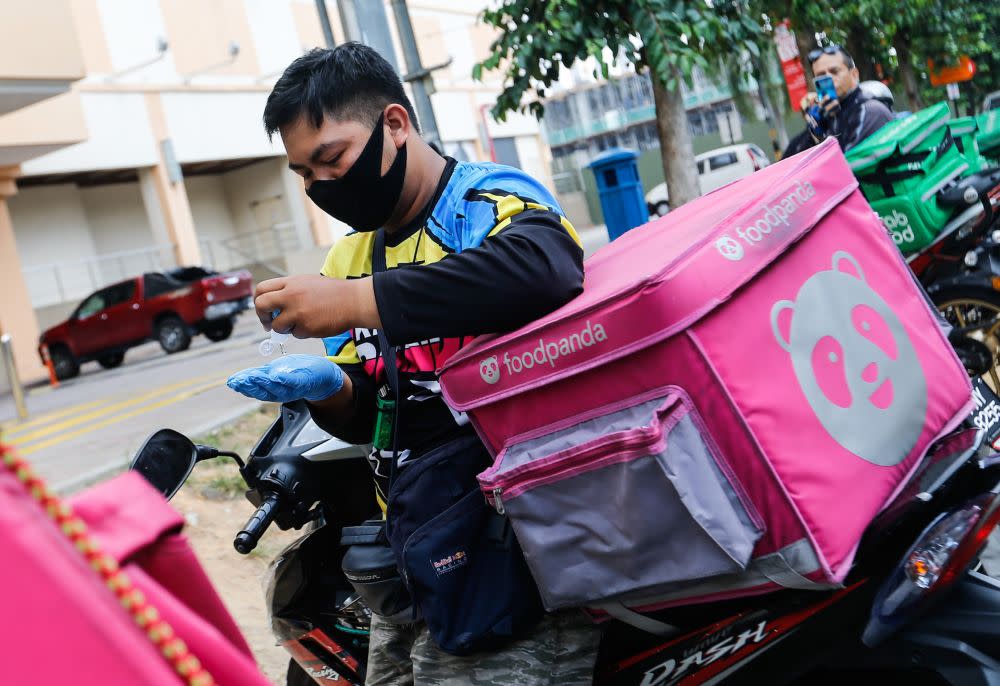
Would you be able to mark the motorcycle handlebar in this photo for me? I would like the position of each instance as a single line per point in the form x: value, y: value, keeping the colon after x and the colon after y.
x: 246, y: 540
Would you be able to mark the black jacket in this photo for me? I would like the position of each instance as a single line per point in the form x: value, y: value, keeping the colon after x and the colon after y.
x: 858, y: 118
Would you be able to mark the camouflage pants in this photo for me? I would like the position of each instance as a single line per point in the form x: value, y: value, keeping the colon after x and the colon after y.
x: 560, y: 652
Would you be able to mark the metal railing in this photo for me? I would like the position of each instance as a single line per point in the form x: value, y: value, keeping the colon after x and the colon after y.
x: 60, y: 282
x: 266, y: 247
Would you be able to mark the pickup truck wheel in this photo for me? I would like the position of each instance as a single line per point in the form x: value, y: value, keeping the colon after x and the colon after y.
x: 173, y: 335
x: 111, y: 360
x: 66, y: 366
x: 218, y: 330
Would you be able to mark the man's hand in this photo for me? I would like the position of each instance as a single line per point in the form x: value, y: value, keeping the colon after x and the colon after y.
x: 808, y: 101
x: 830, y: 108
x: 288, y: 378
x: 314, y: 306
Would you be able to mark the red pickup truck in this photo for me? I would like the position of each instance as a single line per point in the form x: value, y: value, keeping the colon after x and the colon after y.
x: 167, y: 307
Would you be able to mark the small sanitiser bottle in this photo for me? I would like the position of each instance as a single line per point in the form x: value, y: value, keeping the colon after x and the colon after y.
x: 266, y: 347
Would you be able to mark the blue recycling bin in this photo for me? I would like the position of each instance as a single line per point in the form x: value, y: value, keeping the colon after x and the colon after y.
x: 620, y: 190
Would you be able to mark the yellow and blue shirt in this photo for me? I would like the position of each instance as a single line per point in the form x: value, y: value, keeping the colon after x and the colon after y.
x: 491, y: 252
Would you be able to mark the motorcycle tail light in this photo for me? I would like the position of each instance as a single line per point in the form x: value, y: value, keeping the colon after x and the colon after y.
x: 941, y: 554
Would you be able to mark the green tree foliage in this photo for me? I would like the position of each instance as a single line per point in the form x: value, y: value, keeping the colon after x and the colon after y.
x: 893, y: 40
x: 670, y: 37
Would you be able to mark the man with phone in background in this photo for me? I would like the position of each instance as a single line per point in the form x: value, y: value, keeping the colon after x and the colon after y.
x: 838, y: 108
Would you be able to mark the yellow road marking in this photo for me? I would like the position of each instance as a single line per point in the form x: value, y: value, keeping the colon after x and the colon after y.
x: 121, y: 417
x: 13, y: 428
x: 21, y: 437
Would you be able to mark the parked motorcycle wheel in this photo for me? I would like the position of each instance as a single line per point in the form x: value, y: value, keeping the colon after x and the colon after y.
x: 976, y: 313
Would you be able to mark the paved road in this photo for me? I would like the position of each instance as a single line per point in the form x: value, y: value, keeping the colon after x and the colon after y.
x: 97, y: 420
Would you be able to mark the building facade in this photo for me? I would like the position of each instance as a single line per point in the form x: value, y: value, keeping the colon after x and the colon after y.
x: 585, y: 116
x: 162, y: 159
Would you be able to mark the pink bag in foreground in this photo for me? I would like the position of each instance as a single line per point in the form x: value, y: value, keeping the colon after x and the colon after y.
x: 63, y: 624
x: 742, y: 386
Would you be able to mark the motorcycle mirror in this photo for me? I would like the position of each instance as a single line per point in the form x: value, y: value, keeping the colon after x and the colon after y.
x: 166, y: 460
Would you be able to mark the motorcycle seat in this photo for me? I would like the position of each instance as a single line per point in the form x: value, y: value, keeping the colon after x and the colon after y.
x: 970, y: 189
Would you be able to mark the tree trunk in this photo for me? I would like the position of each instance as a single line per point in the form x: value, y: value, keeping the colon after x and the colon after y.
x: 907, y: 73
x: 675, y: 142
x: 806, y: 40
x: 856, y: 48
x: 774, y: 118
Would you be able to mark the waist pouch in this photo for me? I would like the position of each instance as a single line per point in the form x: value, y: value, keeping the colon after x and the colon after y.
x: 459, y: 557
x: 370, y: 566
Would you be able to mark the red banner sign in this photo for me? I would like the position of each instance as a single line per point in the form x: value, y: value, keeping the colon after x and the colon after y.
x: 791, y: 65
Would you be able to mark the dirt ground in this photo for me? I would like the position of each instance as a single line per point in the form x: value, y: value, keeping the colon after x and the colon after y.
x: 213, y: 504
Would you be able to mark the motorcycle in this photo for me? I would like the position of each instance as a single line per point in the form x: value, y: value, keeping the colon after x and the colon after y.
x: 960, y: 270
x: 915, y: 606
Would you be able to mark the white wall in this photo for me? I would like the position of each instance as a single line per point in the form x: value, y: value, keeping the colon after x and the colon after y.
x: 231, y: 206
x: 50, y: 225
x: 275, y: 36
x: 207, y: 198
x: 218, y: 126
x: 118, y: 222
x: 132, y: 28
x: 456, y: 117
x: 120, y: 138
x: 259, y: 183
x: 74, y: 228
x: 530, y: 154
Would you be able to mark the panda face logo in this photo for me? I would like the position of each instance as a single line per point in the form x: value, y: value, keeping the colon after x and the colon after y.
x: 489, y: 369
x: 855, y: 363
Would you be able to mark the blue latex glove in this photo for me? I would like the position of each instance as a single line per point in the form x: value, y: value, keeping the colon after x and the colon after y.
x: 288, y: 378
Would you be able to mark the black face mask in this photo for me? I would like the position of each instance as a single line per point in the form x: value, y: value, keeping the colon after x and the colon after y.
x: 363, y: 198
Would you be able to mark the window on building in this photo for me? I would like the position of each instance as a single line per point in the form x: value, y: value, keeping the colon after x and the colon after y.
x: 645, y: 87
x: 506, y: 152
x: 697, y: 123
x: 594, y: 101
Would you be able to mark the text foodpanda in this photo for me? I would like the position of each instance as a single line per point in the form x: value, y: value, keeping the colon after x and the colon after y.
x: 549, y: 352
x: 777, y: 215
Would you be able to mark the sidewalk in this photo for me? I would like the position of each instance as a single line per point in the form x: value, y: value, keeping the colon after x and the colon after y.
x: 593, y: 238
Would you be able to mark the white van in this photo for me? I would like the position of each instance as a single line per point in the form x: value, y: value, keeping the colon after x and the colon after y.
x: 716, y: 168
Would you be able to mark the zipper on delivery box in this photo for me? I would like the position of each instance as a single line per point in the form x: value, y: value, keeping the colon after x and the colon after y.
x: 555, y: 470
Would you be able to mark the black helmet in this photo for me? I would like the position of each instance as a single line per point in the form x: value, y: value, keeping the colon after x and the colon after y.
x: 876, y: 90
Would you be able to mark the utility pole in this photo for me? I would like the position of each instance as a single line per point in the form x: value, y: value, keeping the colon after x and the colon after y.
x: 324, y: 21
x: 418, y: 76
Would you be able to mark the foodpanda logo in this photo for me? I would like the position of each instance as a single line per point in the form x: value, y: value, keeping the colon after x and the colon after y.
x: 489, y: 369
x: 774, y: 221
x: 898, y: 226
x: 730, y: 248
x: 546, y: 352
x: 854, y: 362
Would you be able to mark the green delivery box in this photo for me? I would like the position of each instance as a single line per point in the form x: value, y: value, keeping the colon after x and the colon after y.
x: 988, y: 134
x: 902, y: 167
x: 964, y: 132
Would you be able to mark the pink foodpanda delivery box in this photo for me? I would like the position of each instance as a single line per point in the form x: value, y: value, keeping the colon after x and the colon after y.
x: 742, y: 386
